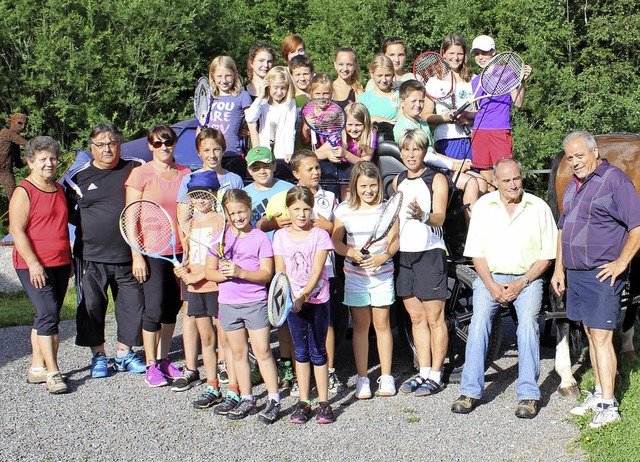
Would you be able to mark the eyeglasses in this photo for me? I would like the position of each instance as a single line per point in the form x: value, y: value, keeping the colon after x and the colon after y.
x: 111, y: 144
x: 167, y: 143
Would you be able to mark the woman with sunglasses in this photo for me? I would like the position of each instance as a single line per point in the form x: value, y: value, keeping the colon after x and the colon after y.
x: 158, y: 181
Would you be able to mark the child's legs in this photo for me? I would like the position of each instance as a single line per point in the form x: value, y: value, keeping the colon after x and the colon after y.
x: 420, y: 329
x: 223, y: 344
x: 285, y: 341
x: 438, y: 330
x: 240, y: 353
x: 384, y: 337
x: 361, y: 316
x: 262, y: 351
x: 208, y: 342
x: 319, y: 324
x: 190, y: 339
x: 300, y: 332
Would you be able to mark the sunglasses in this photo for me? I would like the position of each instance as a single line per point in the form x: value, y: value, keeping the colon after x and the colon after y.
x: 167, y: 143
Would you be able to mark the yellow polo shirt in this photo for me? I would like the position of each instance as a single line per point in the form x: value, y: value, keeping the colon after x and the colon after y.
x: 511, y: 244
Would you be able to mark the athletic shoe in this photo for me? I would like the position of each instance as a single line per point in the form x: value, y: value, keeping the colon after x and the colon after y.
x: 386, y: 386
x: 429, y: 387
x: 324, y: 413
x: 223, y: 377
x: 270, y: 413
x: 230, y: 402
x: 99, y: 366
x: 464, y: 404
x: 527, y: 409
x: 302, y: 414
x: 210, y: 397
x: 363, y: 388
x: 295, y: 390
x: 186, y: 381
x: 411, y: 385
x: 154, y: 378
x: 169, y: 370
x: 335, y: 385
x: 56, y: 385
x: 589, y: 404
x: 605, y: 414
x: 242, y: 410
x: 131, y: 363
x: 256, y: 377
x: 285, y: 373
x: 36, y: 377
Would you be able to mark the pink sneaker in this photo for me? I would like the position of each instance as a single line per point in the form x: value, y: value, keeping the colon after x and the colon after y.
x: 154, y: 377
x: 169, y: 370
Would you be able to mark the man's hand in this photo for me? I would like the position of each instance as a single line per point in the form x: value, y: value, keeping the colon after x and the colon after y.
x: 611, y: 270
x: 513, y: 289
x: 558, y: 282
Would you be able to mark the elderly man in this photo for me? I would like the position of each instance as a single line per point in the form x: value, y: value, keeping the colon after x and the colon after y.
x: 599, y: 235
x: 96, y: 196
x: 512, y: 240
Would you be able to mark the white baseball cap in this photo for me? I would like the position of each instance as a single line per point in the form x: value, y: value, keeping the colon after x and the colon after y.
x: 483, y: 43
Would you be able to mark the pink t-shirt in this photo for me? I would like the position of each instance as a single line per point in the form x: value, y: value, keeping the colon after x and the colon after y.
x: 159, y: 190
x: 246, y: 252
x: 298, y: 256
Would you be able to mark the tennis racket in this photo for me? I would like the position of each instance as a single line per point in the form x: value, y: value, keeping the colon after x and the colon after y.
x: 325, y: 118
x: 273, y: 128
x: 434, y: 72
x: 202, y: 220
x: 280, y: 301
x: 384, y: 224
x: 502, y: 74
x: 148, y: 230
x: 202, y: 101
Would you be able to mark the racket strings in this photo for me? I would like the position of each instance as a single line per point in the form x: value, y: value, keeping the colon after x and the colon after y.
x: 324, y: 116
x: 435, y: 74
x: 502, y: 74
x: 146, y: 227
x: 388, y: 216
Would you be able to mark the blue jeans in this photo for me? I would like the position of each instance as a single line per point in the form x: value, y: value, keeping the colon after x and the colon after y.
x: 308, y: 330
x: 485, y: 307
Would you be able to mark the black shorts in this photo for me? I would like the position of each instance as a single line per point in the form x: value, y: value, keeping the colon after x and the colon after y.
x: 422, y: 275
x: 48, y: 300
x: 162, y: 301
x: 202, y: 304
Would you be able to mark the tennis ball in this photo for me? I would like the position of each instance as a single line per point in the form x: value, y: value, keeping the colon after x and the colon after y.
x: 277, y: 204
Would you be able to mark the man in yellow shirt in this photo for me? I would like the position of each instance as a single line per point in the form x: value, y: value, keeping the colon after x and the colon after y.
x: 512, y: 240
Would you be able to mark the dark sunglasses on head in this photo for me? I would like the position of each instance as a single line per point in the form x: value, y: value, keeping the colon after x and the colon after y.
x: 167, y: 143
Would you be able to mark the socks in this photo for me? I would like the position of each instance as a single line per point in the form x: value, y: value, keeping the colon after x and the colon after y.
x: 274, y: 397
x: 122, y: 353
x: 213, y: 383
x: 234, y: 388
x: 425, y: 371
x: 598, y: 391
x: 247, y: 398
x: 436, y: 376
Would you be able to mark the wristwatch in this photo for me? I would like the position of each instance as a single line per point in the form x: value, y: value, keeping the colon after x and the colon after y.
x: 527, y: 282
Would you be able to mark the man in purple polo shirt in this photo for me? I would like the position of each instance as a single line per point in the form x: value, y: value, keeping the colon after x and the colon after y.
x: 599, y: 235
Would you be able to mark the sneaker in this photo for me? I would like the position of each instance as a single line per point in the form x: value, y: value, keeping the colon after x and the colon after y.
x: 169, y: 370
x: 411, y: 385
x: 131, y: 363
x: 230, y: 402
x: 154, y: 378
x: 335, y: 385
x: 386, y: 386
x: 270, y: 413
x: 527, y: 409
x: 605, y: 414
x: 302, y: 414
x: 36, y: 377
x: 464, y: 404
x: 429, y: 387
x: 223, y: 377
x: 186, y: 381
x: 285, y: 373
x: 210, y: 397
x: 56, y: 385
x: 363, y: 388
x: 242, y: 410
x: 256, y: 377
x: 99, y: 366
x: 590, y: 403
x: 324, y: 413
x: 295, y: 390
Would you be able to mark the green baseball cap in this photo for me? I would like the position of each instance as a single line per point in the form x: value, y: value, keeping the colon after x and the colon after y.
x: 260, y: 154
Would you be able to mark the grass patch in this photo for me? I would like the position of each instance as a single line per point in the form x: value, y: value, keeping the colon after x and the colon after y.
x: 413, y: 420
x: 16, y: 308
x: 618, y: 441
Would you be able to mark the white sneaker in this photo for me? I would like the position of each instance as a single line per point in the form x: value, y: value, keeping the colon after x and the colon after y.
x: 605, y: 415
x: 294, y: 391
x: 335, y: 385
x: 589, y: 404
x: 363, y: 388
x: 386, y: 386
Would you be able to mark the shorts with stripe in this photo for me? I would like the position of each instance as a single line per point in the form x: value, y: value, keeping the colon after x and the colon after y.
x: 422, y: 275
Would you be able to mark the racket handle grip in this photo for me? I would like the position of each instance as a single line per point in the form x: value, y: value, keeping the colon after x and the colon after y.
x: 366, y: 256
x: 460, y: 110
x: 467, y: 130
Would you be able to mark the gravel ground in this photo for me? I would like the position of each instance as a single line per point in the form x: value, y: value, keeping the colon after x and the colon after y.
x: 120, y: 418
x: 9, y: 281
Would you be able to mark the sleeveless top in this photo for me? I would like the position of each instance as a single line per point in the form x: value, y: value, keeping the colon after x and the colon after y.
x: 47, y: 227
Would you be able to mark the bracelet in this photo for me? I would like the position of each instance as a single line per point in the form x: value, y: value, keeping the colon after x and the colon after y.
x: 426, y: 217
x: 526, y: 280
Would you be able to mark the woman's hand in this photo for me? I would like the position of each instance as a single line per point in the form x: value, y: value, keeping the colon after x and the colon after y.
x: 37, y: 275
x: 414, y: 212
x: 139, y: 268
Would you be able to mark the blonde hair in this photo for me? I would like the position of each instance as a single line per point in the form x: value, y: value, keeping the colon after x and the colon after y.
x: 360, y: 112
x: 226, y: 62
x: 416, y: 136
x: 280, y: 74
x: 355, y: 77
x: 370, y: 170
x: 381, y: 60
x: 322, y: 78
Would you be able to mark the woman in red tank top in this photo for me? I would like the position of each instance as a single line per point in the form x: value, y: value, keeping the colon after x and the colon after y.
x: 42, y: 255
